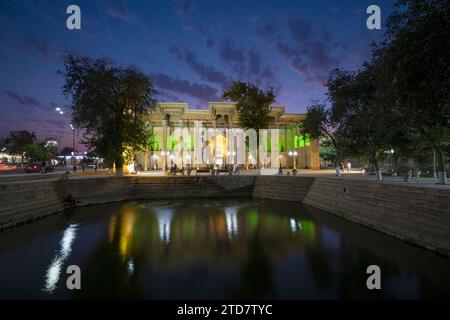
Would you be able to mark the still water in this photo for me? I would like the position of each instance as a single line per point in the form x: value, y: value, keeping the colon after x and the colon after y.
x: 212, y: 249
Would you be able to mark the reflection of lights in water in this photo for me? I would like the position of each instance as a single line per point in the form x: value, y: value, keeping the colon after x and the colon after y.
x: 67, y: 240
x: 52, y: 275
x: 126, y: 220
x: 164, y: 217
x: 112, y: 228
x: 296, y: 226
x: 54, y: 269
x: 231, y: 220
x: 130, y: 266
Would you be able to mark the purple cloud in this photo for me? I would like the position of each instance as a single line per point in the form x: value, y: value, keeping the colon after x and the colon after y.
x: 308, y: 52
x: 267, y: 29
x: 120, y: 11
x: 184, y: 10
x: 26, y: 103
x: 247, y: 64
x: 202, y: 92
x: 29, y: 104
x: 231, y: 54
x: 46, y: 49
x: 206, y: 72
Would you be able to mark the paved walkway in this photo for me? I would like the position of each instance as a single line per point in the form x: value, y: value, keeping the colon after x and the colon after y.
x: 328, y: 173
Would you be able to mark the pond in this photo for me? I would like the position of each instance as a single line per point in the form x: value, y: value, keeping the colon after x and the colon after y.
x: 212, y: 249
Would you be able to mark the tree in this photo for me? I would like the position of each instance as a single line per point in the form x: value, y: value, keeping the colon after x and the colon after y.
x: 361, y: 106
x: 417, y: 50
x: 253, y: 106
x: 16, y: 141
x: 39, y: 152
x: 110, y: 102
x: 67, y: 151
x: 320, y: 124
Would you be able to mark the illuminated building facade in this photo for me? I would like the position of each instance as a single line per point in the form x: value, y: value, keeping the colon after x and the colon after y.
x: 212, y: 137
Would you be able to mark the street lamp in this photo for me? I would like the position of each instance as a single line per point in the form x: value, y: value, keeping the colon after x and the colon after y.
x: 60, y: 111
x: 293, y: 154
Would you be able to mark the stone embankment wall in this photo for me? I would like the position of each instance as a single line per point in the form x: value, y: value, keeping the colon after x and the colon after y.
x: 419, y: 215
x: 25, y: 201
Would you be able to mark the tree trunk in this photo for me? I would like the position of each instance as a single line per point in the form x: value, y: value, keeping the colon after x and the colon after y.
x: 338, y: 159
x: 440, y: 165
x: 374, y: 160
x: 119, y: 169
x: 396, y: 163
x: 338, y: 154
x: 21, y: 160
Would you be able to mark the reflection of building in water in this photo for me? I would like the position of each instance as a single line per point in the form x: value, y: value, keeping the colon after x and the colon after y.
x: 54, y: 269
x: 177, y: 140
x: 164, y: 217
x: 121, y: 228
x: 296, y: 226
x: 197, y: 235
x: 232, y: 222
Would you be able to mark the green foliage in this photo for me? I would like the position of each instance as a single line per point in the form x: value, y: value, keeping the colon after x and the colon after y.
x: 417, y: 51
x: 398, y: 100
x: 110, y: 102
x: 252, y: 104
x: 326, y: 149
x: 39, y: 152
x: 16, y: 141
x: 364, y: 108
x: 320, y: 124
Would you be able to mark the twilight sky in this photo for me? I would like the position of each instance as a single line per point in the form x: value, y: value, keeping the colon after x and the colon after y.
x: 192, y: 50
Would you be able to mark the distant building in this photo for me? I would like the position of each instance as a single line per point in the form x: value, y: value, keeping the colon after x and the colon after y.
x: 186, y: 146
x: 5, y: 157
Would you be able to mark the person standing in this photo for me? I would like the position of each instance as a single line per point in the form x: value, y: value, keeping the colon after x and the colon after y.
x: 349, y: 166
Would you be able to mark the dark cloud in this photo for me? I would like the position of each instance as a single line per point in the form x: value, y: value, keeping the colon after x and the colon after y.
x: 254, y: 62
x: 167, y: 96
x: 56, y: 123
x: 267, y: 29
x: 300, y: 30
x: 144, y: 57
x: 29, y: 73
x: 185, y: 10
x: 202, y: 92
x: 209, y: 42
x: 231, y: 54
x: 247, y: 64
x: 206, y: 72
x: 118, y: 10
x: 26, y: 103
x: 30, y: 104
x: 44, y: 48
x: 176, y: 52
x: 291, y: 56
x: 306, y: 50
